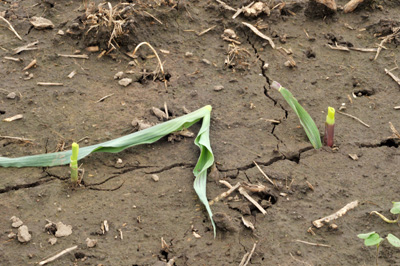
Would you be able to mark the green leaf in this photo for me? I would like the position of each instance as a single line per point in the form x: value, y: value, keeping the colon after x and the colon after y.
x: 393, y: 240
x: 396, y: 207
x: 371, y: 239
x: 305, y: 119
x: 366, y: 235
x: 145, y: 136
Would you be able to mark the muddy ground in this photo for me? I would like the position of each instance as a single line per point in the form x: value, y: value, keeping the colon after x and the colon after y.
x: 312, y: 183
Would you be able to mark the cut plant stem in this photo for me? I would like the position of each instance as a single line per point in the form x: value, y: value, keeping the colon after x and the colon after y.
x: 320, y: 222
x: 74, y: 162
x: 329, y: 127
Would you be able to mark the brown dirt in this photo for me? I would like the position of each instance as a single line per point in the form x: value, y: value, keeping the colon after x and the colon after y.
x: 146, y: 211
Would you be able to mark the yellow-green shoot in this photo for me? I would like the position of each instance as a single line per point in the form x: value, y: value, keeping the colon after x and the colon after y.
x: 305, y: 119
x: 74, y: 162
x: 394, y: 210
x: 146, y: 136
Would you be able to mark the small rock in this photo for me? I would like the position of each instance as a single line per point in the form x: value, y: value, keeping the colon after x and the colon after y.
x: 155, y: 178
x: 41, y: 23
x: 218, y: 88
x: 159, y: 113
x: 60, y: 32
x: 256, y: 9
x: 52, y: 240
x: 119, y: 161
x: 205, y: 61
x: 90, y: 243
x: 229, y: 33
x: 354, y: 157
x: 16, y: 222
x: 265, y: 66
x: 125, y: 82
x: 11, y: 95
x: 63, y: 230
x: 119, y: 75
x: 23, y: 234
x: 11, y: 235
x: 188, y: 54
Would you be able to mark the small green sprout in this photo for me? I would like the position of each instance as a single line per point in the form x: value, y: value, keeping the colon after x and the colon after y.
x: 395, y: 210
x: 74, y: 162
x: 373, y: 239
x: 305, y: 119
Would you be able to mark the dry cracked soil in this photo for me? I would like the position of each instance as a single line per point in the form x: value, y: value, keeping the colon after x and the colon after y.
x: 250, y: 122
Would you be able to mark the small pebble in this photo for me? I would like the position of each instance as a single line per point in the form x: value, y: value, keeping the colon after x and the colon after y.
x: 205, y: 61
x: 265, y: 66
x: 63, y: 230
x: 16, y: 222
x: 52, y: 240
x: 119, y: 75
x: 11, y: 95
x: 218, y: 88
x: 119, y: 161
x: 60, y: 32
x: 11, y: 235
x: 155, y: 178
x: 90, y: 243
x: 188, y: 54
x: 125, y: 82
x: 23, y: 234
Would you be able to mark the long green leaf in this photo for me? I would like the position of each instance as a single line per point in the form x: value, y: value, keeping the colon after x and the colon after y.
x: 305, y: 119
x: 145, y: 136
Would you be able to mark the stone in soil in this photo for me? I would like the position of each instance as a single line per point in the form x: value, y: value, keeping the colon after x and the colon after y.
x: 23, y: 234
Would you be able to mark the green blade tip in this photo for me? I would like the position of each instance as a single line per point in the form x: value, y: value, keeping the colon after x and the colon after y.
x: 208, y: 107
x: 330, y: 118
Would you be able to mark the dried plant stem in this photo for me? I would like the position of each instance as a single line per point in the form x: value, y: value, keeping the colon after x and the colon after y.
x: 393, y: 76
x: 358, y: 119
x: 224, y: 194
x: 385, y: 40
x: 154, y: 51
x: 264, y: 174
x: 257, y: 32
x: 49, y: 84
x: 65, y: 251
x: 312, y: 244
x: 11, y: 27
x: 394, y: 130
x: 246, y: 195
x: 247, y: 256
x: 81, y: 56
x: 320, y: 222
x: 226, y: 6
x: 15, y: 138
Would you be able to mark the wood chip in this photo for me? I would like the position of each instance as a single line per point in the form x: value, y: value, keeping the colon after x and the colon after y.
x: 248, y: 224
x: 353, y: 156
x: 13, y: 118
x: 41, y: 23
x: 30, y: 65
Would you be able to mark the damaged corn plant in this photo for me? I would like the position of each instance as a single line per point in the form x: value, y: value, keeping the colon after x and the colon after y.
x: 145, y: 136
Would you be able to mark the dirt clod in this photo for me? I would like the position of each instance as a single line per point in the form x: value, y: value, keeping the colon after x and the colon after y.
x: 23, y: 234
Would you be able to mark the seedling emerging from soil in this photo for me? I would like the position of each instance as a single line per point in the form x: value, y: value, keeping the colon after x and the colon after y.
x: 329, y: 127
x: 145, y: 136
x: 373, y: 239
x: 395, y: 210
x: 74, y: 162
x: 305, y: 119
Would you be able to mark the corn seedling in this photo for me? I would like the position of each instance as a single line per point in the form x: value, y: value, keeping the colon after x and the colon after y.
x: 74, y: 162
x: 373, y: 239
x: 145, y: 136
x: 329, y: 127
x: 305, y: 119
x: 395, y: 210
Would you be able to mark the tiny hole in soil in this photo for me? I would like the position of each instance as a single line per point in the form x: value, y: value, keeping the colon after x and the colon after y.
x: 2, y: 112
x: 79, y: 255
x: 390, y: 143
x: 164, y: 254
x: 269, y: 197
x: 365, y: 92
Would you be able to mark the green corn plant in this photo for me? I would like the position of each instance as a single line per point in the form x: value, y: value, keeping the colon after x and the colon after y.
x: 373, y: 239
x: 146, y: 136
x: 74, y: 162
x: 305, y: 119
